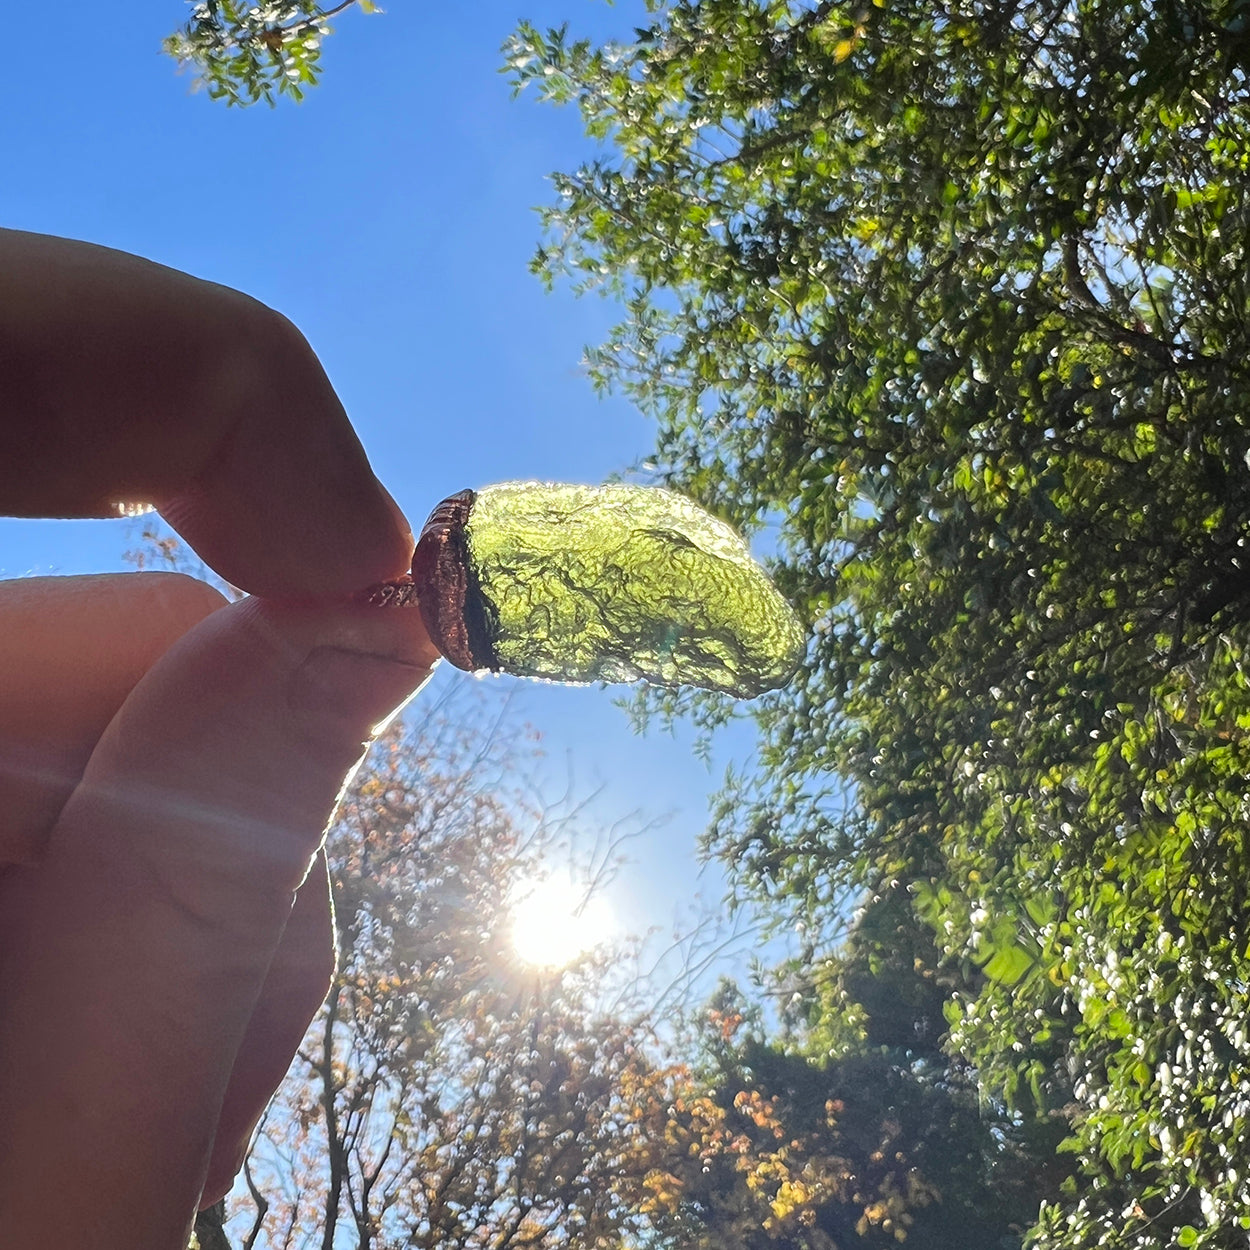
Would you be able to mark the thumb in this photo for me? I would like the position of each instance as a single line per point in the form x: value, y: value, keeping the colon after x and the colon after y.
x: 132, y: 955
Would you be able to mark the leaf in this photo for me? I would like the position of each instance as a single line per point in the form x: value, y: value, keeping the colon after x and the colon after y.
x: 1007, y: 965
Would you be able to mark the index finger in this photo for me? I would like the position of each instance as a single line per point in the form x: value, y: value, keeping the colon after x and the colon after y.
x: 127, y: 382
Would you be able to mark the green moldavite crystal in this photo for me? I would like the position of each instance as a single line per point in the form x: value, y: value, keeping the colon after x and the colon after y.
x: 604, y: 583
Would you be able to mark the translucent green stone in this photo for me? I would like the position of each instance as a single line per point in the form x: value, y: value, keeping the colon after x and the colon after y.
x: 617, y: 583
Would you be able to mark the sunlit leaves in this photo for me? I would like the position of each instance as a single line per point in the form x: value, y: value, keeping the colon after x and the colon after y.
x: 755, y: 1148
x: 243, y: 52
x: 956, y: 299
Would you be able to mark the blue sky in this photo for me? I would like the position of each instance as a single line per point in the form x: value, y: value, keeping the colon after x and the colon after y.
x: 389, y: 216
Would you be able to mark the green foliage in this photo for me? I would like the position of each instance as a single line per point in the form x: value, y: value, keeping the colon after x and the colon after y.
x: 764, y: 1148
x: 954, y: 298
x: 243, y: 52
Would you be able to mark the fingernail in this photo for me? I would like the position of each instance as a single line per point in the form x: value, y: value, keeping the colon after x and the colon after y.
x: 361, y: 690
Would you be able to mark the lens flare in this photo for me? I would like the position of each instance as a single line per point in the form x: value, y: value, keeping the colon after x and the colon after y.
x: 553, y: 922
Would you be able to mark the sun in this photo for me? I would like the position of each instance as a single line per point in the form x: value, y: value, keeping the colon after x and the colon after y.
x: 553, y: 922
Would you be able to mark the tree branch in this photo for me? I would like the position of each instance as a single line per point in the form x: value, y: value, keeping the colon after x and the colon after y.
x: 208, y: 1227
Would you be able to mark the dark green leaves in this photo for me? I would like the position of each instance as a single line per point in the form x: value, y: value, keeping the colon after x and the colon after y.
x: 958, y: 296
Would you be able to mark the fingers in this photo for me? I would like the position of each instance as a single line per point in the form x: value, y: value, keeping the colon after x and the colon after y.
x: 294, y: 989
x: 128, y: 382
x: 71, y: 650
x: 133, y: 955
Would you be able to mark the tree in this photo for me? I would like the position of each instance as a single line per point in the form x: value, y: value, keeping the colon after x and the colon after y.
x: 952, y: 298
x: 447, y: 1095
x: 758, y: 1145
x: 243, y: 53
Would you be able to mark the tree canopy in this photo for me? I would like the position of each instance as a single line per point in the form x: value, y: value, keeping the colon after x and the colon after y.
x: 949, y: 302
x: 951, y: 299
x: 448, y: 1094
x: 752, y: 1144
x: 243, y: 52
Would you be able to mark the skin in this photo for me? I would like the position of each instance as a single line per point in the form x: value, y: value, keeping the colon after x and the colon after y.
x: 168, y: 763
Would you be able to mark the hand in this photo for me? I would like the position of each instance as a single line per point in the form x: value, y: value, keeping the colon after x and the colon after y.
x: 167, y: 763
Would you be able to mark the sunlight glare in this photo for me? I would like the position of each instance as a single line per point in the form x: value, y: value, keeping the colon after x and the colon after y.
x: 553, y: 923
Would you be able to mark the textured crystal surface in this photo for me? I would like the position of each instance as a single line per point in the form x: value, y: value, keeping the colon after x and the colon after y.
x: 617, y: 583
